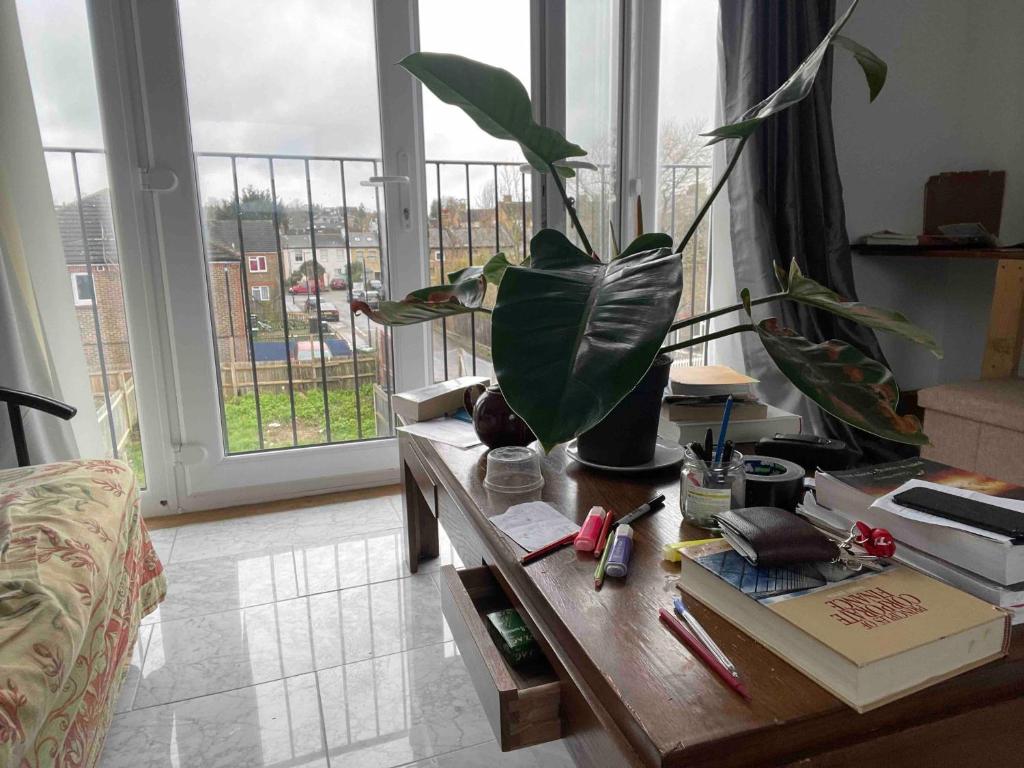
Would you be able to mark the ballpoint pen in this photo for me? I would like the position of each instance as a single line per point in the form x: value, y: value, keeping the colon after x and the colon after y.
x: 697, y: 647
x: 702, y: 635
x: 721, y: 432
x: 599, y: 571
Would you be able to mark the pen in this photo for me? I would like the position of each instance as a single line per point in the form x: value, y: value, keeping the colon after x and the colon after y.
x: 691, y: 642
x: 722, y: 430
x: 729, y: 448
x: 691, y: 621
x: 599, y: 572
x: 651, y: 506
x: 709, y: 439
x: 602, y: 540
x: 547, y: 549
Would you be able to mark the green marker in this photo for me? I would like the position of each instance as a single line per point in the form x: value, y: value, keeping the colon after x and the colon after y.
x: 599, y: 572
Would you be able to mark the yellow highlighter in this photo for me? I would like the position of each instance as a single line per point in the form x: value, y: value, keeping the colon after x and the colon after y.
x: 671, y: 553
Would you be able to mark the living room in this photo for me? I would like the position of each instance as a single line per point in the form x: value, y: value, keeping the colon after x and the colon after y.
x: 433, y: 383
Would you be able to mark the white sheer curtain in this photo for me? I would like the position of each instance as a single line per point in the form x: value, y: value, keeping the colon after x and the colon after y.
x: 40, y: 345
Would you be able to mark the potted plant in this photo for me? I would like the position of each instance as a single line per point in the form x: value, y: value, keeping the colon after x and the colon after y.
x: 573, y: 334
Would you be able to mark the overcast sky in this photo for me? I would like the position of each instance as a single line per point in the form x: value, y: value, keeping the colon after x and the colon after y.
x: 300, y: 78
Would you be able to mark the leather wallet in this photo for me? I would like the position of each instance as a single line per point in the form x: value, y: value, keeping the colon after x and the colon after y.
x: 770, y: 536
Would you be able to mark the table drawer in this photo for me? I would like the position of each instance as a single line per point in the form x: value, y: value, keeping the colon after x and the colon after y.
x: 522, y: 704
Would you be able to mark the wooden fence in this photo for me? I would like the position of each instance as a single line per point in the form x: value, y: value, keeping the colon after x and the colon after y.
x: 123, y: 407
x: 236, y: 378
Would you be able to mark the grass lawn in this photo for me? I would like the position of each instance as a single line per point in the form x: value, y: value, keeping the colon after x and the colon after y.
x: 275, y: 410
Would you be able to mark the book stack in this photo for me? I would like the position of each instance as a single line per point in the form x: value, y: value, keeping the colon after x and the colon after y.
x: 697, y: 400
x: 988, y: 566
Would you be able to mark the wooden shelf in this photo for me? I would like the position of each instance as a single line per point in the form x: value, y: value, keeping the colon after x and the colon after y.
x: 931, y: 252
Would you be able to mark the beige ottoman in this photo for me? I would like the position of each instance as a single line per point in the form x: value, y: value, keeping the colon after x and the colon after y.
x: 977, y: 425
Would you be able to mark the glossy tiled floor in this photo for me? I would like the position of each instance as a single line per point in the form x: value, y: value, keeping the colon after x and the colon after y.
x: 299, y: 639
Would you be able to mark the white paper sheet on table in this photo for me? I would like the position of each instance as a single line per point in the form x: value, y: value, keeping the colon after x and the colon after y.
x: 887, y: 504
x: 533, y: 524
x: 449, y: 431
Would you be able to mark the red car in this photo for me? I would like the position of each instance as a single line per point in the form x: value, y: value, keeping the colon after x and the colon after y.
x: 306, y: 287
x: 339, y: 284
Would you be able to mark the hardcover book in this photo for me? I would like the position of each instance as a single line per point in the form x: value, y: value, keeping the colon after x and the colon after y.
x: 868, y: 639
x: 850, y: 494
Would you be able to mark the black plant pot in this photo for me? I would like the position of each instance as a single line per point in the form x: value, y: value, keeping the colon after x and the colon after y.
x: 627, y: 436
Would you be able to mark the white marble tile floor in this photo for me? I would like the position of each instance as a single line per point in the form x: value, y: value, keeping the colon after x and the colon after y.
x: 299, y: 639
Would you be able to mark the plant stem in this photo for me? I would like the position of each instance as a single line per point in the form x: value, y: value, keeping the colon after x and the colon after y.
x: 571, y: 209
x: 708, y: 337
x: 711, y: 198
x: 724, y: 311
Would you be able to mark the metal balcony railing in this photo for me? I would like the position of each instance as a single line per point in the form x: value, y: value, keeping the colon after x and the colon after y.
x: 350, y: 352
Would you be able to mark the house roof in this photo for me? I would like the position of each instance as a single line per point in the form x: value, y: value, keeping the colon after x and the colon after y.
x: 222, y: 237
x: 332, y: 240
x: 99, y: 230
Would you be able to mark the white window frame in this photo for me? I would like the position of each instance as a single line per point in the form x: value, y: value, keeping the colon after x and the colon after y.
x: 260, y: 292
x: 77, y: 291
x: 261, y: 264
x: 140, y: 71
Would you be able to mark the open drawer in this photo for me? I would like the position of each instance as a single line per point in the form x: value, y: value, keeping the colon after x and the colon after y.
x: 523, y: 704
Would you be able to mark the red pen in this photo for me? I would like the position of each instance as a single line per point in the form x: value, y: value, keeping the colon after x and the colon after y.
x: 547, y: 549
x: 695, y: 645
x: 603, y: 538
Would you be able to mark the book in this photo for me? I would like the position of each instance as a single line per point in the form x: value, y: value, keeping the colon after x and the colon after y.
x: 435, y: 400
x: 776, y: 422
x: 869, y: 639
x: 850, y: 494
x: 705, y: 380
x: 1010, y: 597
x: 705, y: 409
x: 888, y: 237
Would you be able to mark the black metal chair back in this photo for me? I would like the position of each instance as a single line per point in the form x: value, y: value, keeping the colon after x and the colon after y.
x: 15, y: 399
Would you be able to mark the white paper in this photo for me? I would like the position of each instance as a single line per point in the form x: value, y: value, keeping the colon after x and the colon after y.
x: 449, y: 431
x: 533, y: 524
x: 886, y: 503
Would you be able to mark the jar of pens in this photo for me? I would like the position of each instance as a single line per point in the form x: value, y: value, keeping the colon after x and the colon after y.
x: 707, y: 488
x: 713, y: 478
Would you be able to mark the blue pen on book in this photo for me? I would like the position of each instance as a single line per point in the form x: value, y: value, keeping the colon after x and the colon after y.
x: 722, y: 430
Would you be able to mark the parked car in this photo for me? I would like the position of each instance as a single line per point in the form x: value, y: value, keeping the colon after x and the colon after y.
x: 357, y: 294
x: 328, y: 310
x: 373, y: 299
x: 376, y: 285
x: 305, y: 287
x: 308, y: 351
x: 339, y: 284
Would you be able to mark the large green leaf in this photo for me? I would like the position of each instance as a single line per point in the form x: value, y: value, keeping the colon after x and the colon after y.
x: 571, y: 337
x: 799, y: 84
x: 492, y: 270
x: 840, y: 379
x: 807, y: 291
x: 647, y: 242
x: 495, y: 100
x: 466, y: 294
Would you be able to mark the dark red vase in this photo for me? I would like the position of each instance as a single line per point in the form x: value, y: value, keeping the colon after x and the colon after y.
x: 495, y: 423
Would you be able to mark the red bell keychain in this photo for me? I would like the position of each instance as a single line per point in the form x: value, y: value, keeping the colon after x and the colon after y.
x: 877, y: 543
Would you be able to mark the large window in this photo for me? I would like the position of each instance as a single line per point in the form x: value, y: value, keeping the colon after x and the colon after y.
x: 686, y: 108
x: 59, y: 57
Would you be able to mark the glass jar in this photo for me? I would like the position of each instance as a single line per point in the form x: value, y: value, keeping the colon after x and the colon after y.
x: 705, y: 489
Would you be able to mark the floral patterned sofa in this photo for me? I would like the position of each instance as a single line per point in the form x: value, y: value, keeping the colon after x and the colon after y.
x: 77, y: 574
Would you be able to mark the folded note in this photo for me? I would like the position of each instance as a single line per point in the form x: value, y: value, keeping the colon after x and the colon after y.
x: 533, y: 524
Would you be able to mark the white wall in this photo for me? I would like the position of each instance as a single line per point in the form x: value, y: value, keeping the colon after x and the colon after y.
x: 954, y: 100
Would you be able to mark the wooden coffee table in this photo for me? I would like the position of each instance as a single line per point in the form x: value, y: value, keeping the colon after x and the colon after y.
x: 619, y: 688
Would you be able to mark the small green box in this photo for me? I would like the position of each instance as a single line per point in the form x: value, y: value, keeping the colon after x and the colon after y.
x: 512, y: 636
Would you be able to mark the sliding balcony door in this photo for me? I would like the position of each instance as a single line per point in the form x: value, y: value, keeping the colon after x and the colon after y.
x: 275, y: 164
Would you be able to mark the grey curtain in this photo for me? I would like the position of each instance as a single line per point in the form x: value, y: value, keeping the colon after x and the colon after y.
x: 785, y: 196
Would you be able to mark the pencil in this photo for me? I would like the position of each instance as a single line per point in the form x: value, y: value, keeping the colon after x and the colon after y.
x: 599, y: 572
x: 547, y: 549
x: 603, y: 538
x: 690, y: 641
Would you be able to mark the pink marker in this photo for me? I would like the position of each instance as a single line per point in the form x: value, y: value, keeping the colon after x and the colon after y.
x: 591, y: 530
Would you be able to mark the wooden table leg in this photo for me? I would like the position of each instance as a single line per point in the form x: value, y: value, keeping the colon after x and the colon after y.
x: 1006, y: 322
x: 420, y: 522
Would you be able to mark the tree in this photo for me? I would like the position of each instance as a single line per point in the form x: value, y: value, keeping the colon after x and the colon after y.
x: 307, y: 272
x: 254, y: 203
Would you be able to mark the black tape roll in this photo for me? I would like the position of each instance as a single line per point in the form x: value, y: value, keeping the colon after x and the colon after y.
x: 781, y: 485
